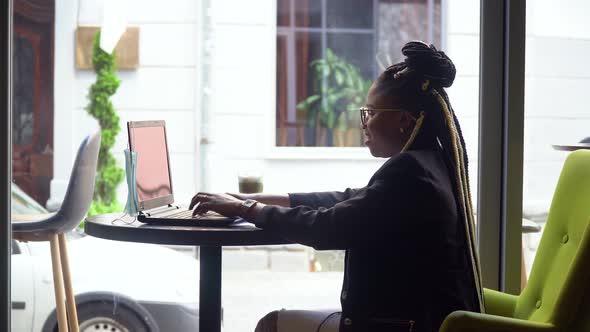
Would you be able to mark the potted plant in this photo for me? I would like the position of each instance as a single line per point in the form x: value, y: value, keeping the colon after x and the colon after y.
x: 108, y: 174
x: 339, y: 91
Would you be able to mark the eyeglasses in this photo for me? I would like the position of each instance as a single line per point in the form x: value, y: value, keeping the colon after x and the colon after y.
x: 369, y: 112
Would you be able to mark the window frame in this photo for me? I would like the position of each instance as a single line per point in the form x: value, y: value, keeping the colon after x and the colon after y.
x: 5, y: 163
x: 501, y: 120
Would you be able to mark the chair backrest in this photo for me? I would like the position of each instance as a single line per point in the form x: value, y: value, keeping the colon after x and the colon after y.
x: 80, y: 190
x: 572, y: 306
x: 553, y: 292
x: 78, y: 195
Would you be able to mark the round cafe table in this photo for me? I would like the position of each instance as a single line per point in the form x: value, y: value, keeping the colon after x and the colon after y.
x: 572, y: 147
x: 208, y: 239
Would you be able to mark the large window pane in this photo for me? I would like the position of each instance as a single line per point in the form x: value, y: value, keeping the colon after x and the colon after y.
x: 52, y: 82
x: 282, y: 98
x: 354, y: 14
x: 308, y: 48
x: 283, y: 12
x: 308, y: 13
x: 357, y: 49
x: 555, y: 105
x: 229, y: 95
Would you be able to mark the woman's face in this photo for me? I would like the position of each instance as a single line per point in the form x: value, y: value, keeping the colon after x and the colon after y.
x: 382, y: 129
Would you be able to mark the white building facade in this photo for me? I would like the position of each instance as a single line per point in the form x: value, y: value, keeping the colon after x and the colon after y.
x: 209, y: 70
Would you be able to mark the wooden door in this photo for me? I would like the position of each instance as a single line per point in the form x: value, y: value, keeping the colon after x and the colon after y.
x: 32, y: 113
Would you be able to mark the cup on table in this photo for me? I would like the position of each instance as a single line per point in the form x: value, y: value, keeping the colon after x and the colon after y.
x: 250, y: 182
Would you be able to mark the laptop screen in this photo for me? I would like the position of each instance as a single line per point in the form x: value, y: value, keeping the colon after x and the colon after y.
x: 148, y: 139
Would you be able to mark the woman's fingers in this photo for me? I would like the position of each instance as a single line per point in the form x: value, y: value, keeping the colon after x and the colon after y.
x: 201, y: 208
x: 221, y: 203
x: 199, y: 197
x: 194, y: 201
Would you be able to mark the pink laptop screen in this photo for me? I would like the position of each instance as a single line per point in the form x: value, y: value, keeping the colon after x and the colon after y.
x: 153, y: 177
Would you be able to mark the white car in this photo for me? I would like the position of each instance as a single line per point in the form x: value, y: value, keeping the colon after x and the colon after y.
x: 119, y: 286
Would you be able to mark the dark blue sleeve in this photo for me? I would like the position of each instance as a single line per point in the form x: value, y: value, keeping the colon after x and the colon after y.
x: 325, y: 199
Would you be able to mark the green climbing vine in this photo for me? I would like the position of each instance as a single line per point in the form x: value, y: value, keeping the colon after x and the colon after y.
x: 108, y: 175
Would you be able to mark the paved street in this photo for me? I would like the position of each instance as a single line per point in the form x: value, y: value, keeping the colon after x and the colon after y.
x: 257, y: 280
x: 249, y: 295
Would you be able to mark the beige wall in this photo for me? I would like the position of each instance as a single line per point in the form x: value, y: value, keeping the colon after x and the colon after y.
x: 163, y: 87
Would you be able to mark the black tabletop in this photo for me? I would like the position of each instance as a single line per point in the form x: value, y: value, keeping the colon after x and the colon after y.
x: 572, y: 147
x: 113, y: 227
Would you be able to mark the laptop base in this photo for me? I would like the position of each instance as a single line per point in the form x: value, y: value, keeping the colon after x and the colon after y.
x: 163, y: 217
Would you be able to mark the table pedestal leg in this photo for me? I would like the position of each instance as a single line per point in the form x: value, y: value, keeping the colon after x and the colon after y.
x: 210, y: 289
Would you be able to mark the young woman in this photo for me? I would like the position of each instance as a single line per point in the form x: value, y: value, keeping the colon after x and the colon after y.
x: 409, y: 234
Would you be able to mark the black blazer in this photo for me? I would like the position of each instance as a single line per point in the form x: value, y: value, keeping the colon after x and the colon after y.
x: 407, y: 264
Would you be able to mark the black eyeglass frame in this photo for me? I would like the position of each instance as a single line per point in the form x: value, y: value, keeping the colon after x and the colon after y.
x: 365, y: 112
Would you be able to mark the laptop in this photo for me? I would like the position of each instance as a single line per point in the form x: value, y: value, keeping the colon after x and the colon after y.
x: 154, y: 180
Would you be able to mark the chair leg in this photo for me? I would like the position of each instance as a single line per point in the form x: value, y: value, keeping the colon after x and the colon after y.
x: 58, y: 284
x: 70, y: 299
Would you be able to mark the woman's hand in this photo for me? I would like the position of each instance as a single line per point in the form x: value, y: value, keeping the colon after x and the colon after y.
x: 223, y: 204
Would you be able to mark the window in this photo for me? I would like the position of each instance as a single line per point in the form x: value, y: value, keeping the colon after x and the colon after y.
x: 326, y: 53
x: 49, y: 121
x: 555, y: 108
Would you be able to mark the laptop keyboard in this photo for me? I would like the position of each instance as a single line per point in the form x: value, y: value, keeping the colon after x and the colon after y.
x: 188, y: 214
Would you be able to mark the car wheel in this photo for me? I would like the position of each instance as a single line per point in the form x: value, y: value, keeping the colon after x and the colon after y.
x: 108, y: 317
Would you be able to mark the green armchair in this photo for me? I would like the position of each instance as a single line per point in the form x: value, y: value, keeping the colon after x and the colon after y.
x: 557, y: 296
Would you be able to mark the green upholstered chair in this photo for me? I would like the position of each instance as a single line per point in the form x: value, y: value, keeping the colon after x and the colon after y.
x: 557, y: 296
